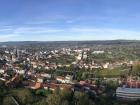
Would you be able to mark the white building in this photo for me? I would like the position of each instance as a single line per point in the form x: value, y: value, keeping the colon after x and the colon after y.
x: 40, y: 80
x: 60, y: 79
x: 98, y: 52
x: 46, y: 75
x: 1, y: 71
x: 67, y: 79
x: 106, y: 65
x: 21, y: 72
x: 128, y: 93
x: 85, y: 56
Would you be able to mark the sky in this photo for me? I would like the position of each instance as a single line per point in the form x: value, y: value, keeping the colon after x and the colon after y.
x: 65, y: 20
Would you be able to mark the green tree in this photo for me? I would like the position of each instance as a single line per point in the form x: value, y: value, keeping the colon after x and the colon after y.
x: 43, y: 92
x: 65, y: 95
x: 60, y: 97
x: 65, y: 102
x: 2, y: 91
x: 24, y: 96
x: 54, y: 99
x: 81, y: 98
x: 8, y: 101
x: 42, y: 102
x: 2, y: 84
x: 136, y: 69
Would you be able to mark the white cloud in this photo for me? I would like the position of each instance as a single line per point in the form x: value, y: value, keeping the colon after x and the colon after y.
x: 109, y: 31
x: 7, y: 37
x: 5, y: 30
x: 36, y: 30
x: 73, y: 33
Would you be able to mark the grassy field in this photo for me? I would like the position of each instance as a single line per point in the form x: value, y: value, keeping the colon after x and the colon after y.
x: 110, y: 73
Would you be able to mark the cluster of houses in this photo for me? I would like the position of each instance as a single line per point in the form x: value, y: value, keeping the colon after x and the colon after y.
x: 18, y: 64
x: 47, y: 59
x: 34, y: 69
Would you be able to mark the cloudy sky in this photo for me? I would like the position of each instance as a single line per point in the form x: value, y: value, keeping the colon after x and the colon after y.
x: 56, y: 20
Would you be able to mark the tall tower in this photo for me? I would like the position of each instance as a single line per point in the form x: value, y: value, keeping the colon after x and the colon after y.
x: 16, y: 52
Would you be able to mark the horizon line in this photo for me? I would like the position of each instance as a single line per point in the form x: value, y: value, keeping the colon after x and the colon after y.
x: 72, y: 40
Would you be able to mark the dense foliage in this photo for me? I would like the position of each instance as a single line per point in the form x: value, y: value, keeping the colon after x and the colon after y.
x: 59, y: 97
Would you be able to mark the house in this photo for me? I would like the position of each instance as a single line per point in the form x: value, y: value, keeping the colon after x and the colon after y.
x: 2, y: 79
x: 40, y: 80
x: 68, y: 79
x: 60, y: 79
x: 46, y: 75
x: 51, y: 86
x: 106, y: 65
x: 36, y: 86
x: 82, y: 82
x: 85, y: 56
x: 1, y: 71
x: 54, y: 86
x: 67, y: 65
x: 21, y: 72
x: 98, y: 52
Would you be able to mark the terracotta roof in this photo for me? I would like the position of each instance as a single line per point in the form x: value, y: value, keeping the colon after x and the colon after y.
x: 55, y: 86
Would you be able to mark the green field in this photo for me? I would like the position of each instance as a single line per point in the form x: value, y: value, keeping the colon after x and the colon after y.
x: 110, y: 73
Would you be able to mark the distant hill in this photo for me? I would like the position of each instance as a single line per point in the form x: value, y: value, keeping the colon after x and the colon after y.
x: 70, y: 43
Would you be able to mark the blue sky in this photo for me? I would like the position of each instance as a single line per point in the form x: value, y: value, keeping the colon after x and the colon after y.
x: 56, y: 20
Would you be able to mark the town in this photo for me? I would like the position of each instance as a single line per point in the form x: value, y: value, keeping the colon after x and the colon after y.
x: 69, y: 52
x: 95, y: 72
